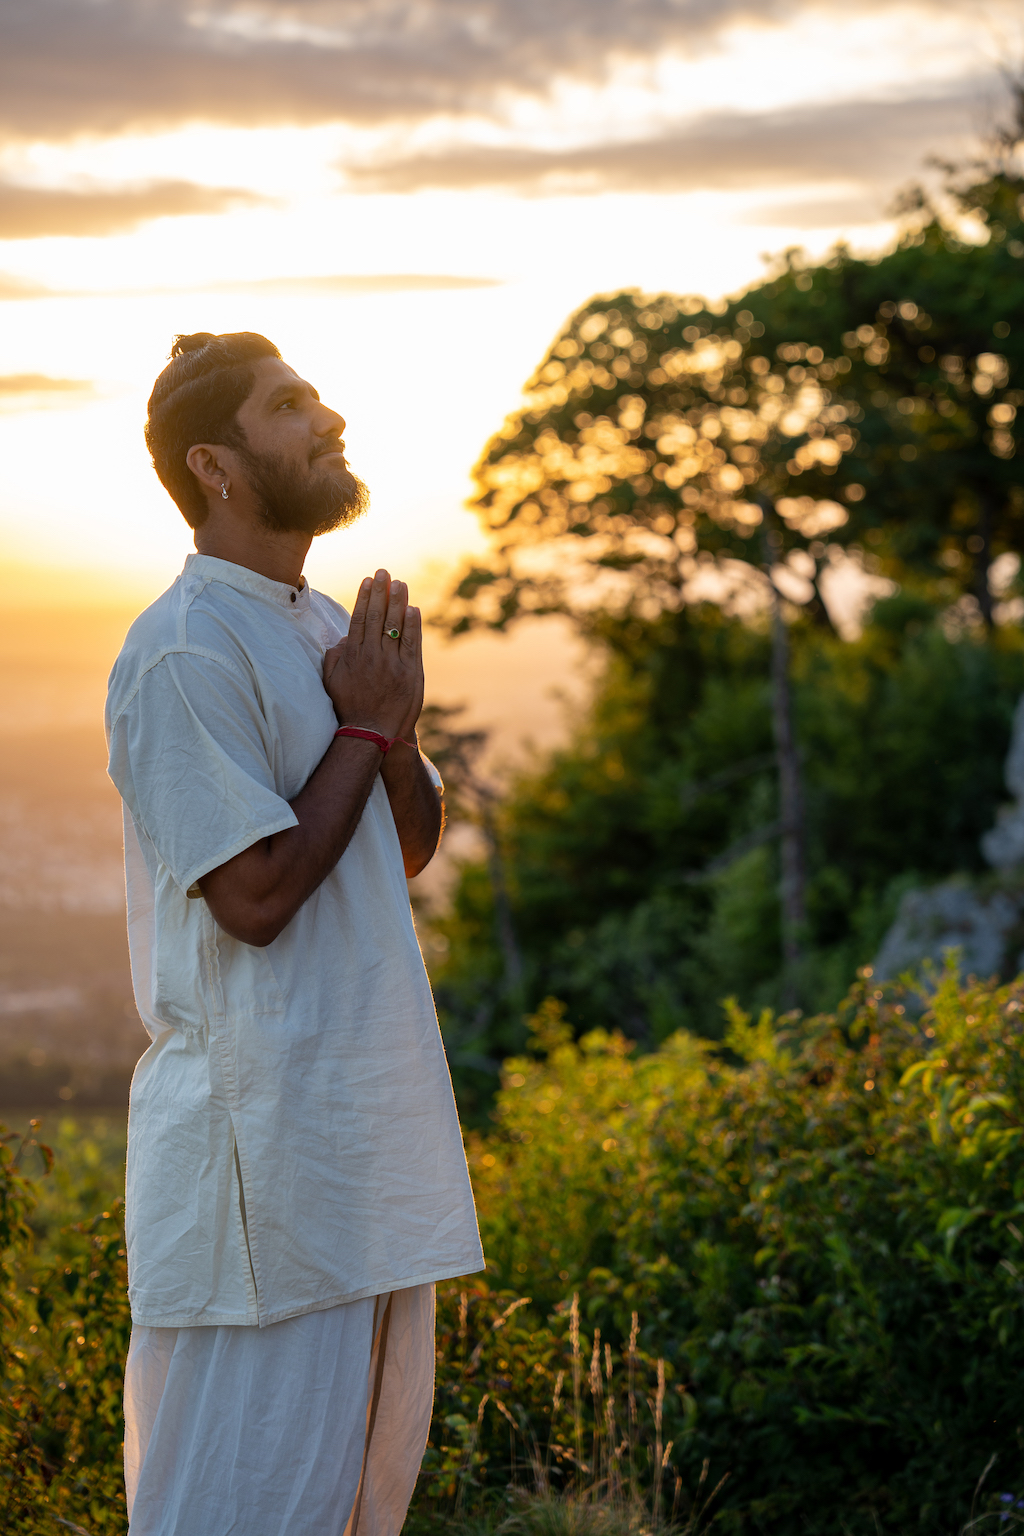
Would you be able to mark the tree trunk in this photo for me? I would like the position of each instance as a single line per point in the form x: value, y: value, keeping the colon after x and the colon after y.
x: 791, y: 839
x: 790, y: 798
x: 503, y: 913
x: 984, y: 557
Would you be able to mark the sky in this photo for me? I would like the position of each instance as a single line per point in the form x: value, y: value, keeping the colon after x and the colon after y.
x: 409, y: 197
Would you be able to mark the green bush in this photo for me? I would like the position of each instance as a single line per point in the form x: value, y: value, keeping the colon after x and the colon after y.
x: 65, y: 1336
x: 632, y: 897
x: 818, y: 1226
x: 819, y: 1230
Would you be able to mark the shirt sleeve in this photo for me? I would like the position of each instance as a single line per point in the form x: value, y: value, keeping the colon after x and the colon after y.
x: 191, y: 755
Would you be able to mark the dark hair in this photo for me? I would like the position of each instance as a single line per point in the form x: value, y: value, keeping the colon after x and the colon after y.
x: 196, y: 400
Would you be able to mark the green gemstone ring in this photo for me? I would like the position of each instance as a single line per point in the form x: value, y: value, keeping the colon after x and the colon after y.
x: 393, y: 634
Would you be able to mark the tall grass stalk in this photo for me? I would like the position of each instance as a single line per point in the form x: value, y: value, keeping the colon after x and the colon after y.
x: 466, y: 1470
x: 659, y: 1408
x: 631, y: 1427
x: 577, y: 1399
x: 602, y: 1496
x: 598, y: 1458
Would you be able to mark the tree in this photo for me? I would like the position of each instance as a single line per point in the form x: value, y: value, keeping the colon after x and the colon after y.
x: 616, y: 504
x: 640, y: 859
x: 873, y: 402
x: 669, y: 450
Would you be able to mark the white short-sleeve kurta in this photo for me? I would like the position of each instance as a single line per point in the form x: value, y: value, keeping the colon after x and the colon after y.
x: 293, y: 1141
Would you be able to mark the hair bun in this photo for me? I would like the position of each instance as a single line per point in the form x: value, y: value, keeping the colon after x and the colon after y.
x: 193, y: 343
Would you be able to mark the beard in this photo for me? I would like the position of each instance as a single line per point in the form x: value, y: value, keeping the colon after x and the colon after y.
x: 327, y: 499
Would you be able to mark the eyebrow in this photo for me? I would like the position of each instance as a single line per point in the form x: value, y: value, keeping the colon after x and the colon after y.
x: 284, y: 390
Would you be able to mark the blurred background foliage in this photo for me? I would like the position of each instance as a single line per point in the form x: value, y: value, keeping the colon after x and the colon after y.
x: 864, y: 411
x: 640, y: 861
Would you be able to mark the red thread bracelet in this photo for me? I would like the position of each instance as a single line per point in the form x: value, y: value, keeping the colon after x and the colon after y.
x: 385, y: 743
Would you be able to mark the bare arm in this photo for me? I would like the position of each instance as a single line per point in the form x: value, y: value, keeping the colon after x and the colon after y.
x: 372, y: 681
x: 416, y: 806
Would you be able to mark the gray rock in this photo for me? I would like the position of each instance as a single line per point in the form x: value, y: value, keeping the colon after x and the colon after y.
x: 954, y: 915
x: 1013, y: 773
x: 948, y: 916
x: 1003, y: 846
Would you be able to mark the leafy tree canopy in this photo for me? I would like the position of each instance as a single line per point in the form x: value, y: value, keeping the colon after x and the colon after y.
x: 641, y: 860
x: 874, y: 402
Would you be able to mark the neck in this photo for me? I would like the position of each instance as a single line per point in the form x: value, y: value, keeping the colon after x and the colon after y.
x: 279, y: 556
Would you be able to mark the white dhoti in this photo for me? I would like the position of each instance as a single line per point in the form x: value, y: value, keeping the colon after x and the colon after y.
x: 314, y: 1426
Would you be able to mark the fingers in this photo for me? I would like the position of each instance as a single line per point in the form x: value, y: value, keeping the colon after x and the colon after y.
x: 398, y: 600
x: 377, y: 606
x: 380, y: 607
x: 411, y: 656
x: 332, y: 657
x: 412, y: 634
x: 357, y: 623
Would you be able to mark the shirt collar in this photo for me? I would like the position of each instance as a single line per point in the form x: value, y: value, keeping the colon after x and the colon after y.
x: 207, y: 568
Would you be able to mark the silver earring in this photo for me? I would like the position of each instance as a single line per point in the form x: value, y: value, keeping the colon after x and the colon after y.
x: 224, y: 491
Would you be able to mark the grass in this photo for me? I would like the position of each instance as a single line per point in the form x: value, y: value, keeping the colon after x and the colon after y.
x: 605, y: 1469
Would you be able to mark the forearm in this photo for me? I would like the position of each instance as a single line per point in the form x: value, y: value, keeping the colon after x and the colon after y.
x: 375, y: 683
x: 255, y: 895
x: 416, y: 806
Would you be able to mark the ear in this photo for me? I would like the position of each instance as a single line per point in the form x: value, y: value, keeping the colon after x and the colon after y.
x: 207, y: 463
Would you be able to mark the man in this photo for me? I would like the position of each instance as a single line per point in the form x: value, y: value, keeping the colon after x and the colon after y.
x: 296, y: 1180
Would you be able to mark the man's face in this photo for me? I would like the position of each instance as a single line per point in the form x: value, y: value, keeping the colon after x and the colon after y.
x: 294, y: 457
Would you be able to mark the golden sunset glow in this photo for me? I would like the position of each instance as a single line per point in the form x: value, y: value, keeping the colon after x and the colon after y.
x: 484, y: 1033
x: 414, y: 259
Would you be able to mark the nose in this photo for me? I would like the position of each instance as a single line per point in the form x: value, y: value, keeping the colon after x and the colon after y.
x: 329, y: 423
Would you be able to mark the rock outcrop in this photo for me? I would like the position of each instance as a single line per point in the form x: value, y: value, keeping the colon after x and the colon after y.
x: 983, y: 920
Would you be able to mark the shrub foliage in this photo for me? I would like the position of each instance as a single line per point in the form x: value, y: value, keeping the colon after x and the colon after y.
x: 818, y: 1225
x: 820, y: 1230
x: 65, y: 1336
x: 641, y: 858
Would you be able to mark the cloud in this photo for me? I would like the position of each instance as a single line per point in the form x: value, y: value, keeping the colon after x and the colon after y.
x: 40, y: 392
x: 12, y: 287
x: 815, y: 213
x: 289, y: 287
x: 27, y: 213
x: 383, y: 282
x: 35, y: 383
x: 68, y: 66
x: 872, y: 141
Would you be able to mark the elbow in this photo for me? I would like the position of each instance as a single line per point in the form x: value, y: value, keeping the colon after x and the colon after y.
x: 262, y: 928
x: 260, y: 936
x: 256, y: 926
x: 247, y: 900
x: 416, y: 859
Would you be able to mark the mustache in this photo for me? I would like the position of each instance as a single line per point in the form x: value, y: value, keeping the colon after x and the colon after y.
x: 335, y: 445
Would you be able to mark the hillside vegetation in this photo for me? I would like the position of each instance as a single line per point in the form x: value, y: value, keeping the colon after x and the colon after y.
x: 641, y: 863
x: 750, y: 794
x: 817, y: 1225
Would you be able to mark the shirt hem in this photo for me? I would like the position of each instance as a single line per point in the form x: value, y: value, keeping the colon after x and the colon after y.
x: 141, y: 1319
x: 250, y: 836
